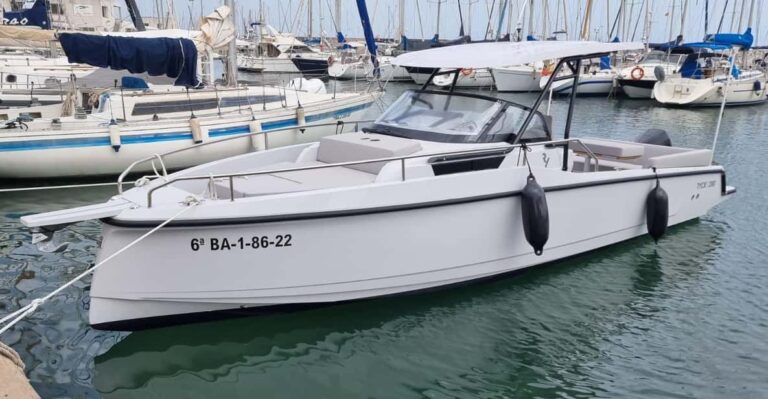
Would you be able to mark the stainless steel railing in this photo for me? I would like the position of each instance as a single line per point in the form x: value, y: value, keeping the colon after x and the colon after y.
x: 489, y: 152
x: 160, y: 157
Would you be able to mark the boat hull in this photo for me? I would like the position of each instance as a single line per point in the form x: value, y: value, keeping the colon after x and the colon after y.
x: 642, y: 88
x: 186, y: 273
x: 517, y: 79
x: 90, y: 154
x: 707, y: 93
x: 311, y: 67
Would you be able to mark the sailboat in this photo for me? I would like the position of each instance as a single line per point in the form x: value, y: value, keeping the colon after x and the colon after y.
x: 710, y: 73
x: 136, y: 120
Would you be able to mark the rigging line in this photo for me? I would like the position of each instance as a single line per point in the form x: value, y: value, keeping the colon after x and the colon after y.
x: 13, y: 318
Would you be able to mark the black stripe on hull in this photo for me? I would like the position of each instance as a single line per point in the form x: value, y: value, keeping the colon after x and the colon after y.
x: 311, y: 66
x: 640, y: 84
x: 397, y: 208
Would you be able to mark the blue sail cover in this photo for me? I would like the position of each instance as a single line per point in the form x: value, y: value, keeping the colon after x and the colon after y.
x: 175, y: 58
x: 370, y: 40
x: 743, y: 40
x: 31, y: 14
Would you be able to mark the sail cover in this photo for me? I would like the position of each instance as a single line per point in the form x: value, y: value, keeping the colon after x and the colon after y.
x: 175, y: 58
x: 32, y: 13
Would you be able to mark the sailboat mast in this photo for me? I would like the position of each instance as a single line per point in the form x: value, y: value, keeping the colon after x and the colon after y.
x: 337, y: 15
x: 231, y: 50
x: 400, y: 18
x: 309, y: 19
x: 439, y: 2
x: 683, y: 13
x: 587, y: 17
x: 530, y: 19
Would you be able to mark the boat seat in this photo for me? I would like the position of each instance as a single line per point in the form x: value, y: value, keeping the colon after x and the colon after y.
x: 361, y: 146
x: 610, y: 148
x: 683, y: 159
x: 287, y: 182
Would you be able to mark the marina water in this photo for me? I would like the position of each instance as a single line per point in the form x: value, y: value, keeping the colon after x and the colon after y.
x: 684, y: 318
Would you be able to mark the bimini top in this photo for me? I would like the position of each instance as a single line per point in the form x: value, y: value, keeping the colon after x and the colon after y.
x: 501, y: 54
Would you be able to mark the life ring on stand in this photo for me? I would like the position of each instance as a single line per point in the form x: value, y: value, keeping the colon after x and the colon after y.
x: 467, y: 71
x: 637, y: 73
x: 331, y: 60
x: 547, y: 70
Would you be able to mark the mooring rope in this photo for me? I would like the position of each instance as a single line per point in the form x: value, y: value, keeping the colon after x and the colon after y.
x: 17, y: 189
x: 11, y: 319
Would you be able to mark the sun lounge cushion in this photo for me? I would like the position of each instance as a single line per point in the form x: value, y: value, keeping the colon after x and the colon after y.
x: 684, y: 159
x: 611, y: 148
x: 361, y: 146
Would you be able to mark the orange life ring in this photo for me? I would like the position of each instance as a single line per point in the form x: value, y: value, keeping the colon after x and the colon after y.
x: 637, y: 73
x: 547, y: 70
x: 331, y: 60
x: 467, y: 71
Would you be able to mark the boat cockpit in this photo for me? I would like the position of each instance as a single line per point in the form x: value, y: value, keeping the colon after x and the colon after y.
x: 459, y: 118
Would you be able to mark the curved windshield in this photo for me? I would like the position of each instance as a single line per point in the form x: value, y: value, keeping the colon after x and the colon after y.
x: 458, y: 118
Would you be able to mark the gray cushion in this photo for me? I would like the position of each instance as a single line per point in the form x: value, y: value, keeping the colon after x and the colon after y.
x: 361, y: 146
x: 616, y: 149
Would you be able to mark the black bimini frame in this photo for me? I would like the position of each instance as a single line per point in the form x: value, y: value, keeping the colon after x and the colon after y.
x: 573, y: 63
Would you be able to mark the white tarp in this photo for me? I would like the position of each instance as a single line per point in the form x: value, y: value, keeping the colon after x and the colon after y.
x: 501, y: 54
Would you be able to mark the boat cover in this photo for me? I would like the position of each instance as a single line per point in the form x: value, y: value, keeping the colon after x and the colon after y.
x: 175, y: 58
x: 32, y: 13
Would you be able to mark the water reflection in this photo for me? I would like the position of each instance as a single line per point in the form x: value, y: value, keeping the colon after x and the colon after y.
x: 533, y: 334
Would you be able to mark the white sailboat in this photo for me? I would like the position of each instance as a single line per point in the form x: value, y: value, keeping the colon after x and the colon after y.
x: 444, y: 188
x: 467, y: 77
x: 708, y: 75
x: 519, y: 78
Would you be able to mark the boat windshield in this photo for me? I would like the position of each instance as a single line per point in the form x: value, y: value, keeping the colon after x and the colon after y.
x: 458, y: 118
x: 661, y: 57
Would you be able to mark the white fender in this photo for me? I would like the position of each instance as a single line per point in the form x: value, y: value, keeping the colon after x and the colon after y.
x: 197, y: 130
x: 301, y: 116
x: 258, y: 141
x: 114, y: 135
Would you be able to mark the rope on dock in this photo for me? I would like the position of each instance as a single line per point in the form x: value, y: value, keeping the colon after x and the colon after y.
x: 18, y: 189
x: 11, y: 319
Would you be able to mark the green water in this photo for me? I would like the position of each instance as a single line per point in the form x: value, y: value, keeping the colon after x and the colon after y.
x: 684, y: 318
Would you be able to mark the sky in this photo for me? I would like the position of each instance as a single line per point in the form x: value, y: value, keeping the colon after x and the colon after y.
x: 421, y: 16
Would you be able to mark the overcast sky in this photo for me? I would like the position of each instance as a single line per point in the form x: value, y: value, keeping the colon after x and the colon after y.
x: 421, y: 16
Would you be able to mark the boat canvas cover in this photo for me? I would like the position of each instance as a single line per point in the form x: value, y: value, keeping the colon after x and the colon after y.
x: 32, y: 13
x: 502, y: 54
x: 175, y: 58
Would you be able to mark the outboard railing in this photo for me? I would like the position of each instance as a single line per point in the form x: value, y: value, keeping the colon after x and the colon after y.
x: 489, y: 152
x: 161, y: 160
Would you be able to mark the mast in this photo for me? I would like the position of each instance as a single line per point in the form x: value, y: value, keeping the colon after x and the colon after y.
x: 587, y: 17
x: 502, y: 13
x: 309, y: 19
x: 337, y: 15
x: 469, y: 18
x: 530, y: 19
x: 133, y: 10
x: 232, y: 49
x: 682, y: 16
x: 439, y: 2
x: 400, y: 18
x: 706, y: 17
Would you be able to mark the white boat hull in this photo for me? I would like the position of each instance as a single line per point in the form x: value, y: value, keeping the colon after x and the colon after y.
x: 266, y: 64
x: 517, y: 79
x: 589, y: 84
x: 678, y: 91
x: 467, y: 78
x: 348, y: 71
x: 422, y: 243
x: 56, y: 154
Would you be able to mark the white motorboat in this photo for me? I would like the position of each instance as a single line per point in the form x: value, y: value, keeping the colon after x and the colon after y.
x: 593, y: 81
x: 467, y: 77
x: 444, y: 188
x: 271, y: 51
x: 518, y: 78
x: 704, y: 80
x: 637, y: 80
